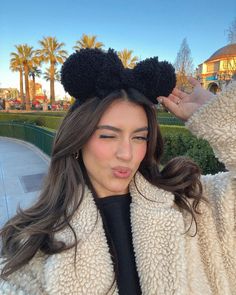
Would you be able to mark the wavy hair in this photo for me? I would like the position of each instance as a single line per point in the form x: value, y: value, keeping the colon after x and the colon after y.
x: 33, y: 229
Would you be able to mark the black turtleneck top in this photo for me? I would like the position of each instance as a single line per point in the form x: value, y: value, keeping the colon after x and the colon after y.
x: 115, y: 212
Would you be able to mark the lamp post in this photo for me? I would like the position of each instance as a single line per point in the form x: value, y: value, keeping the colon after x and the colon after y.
x: 45, y: 103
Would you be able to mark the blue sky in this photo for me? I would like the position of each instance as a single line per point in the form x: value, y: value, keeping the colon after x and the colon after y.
x: 149, y: 28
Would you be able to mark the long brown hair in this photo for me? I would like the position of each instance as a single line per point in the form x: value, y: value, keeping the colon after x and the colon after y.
x: 33, y: 229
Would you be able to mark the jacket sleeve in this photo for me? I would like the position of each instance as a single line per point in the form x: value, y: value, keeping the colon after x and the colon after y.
x: 215, y: 121
x: 25, y: 281
x: 7, y: 288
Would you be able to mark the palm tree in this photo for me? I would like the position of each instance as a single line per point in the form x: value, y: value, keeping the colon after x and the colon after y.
x: 51, y: 51
x: 87, y: 41
x: 26, y: 55
x: 127, y: 59
x: 34, y: 72
x: 57, y: 76
x: 17, y: 66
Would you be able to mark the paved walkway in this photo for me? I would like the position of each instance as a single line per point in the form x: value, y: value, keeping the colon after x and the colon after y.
x: 22, y: 168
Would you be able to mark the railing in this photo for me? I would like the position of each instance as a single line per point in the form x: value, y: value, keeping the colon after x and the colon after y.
x: 34, y: 134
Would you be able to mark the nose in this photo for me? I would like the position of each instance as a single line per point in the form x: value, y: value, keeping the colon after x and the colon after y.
x: 124, y: 150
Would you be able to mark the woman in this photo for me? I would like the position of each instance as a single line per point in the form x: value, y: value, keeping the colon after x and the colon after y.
x: 108, y: 220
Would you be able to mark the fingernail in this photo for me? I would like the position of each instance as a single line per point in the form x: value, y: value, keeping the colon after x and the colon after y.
x: 160, y: 99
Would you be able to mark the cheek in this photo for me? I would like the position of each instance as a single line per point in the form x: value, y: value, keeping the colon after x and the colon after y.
x: 140, y: 153
x: 96, y: 150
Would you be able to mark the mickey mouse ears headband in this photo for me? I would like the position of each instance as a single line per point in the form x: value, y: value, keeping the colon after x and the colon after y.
x: 93, y: 72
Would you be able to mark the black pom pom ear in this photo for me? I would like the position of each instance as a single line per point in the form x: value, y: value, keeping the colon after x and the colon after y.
x: 91, y: 72
x: 154, y: 78
x: 167, y: 80
x: 80, y: 72
x: 110, y: 77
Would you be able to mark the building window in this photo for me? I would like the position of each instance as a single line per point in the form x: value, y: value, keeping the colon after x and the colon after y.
x: 230, y: 64
x: 210, y: 67
x: 216, y: 66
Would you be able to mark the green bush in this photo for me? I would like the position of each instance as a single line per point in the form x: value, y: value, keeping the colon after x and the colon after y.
x: 40, y: 121
x: 170, y: 121
x: 53, y: 114
x: 164, y: 114
x: 51, y: 122
x: 199, y: 150
x: 173, y: 129
x: 202, y: 153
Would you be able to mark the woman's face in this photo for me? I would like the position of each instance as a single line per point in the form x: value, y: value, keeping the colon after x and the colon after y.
x: 115, y: 150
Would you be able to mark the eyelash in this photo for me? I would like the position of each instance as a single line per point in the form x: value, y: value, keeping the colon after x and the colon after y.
x: 110, y: 136
x: 106, y: 136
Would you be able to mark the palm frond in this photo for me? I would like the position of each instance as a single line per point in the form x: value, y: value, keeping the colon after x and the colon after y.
x: 127, y: 59
x: 88, y: 41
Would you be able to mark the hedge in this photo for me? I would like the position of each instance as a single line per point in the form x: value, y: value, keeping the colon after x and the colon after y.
x: 52, y: 114
x: 172, y: 129
x: 169, y: 121
x: 199, y: 150
x: 164, y: 114
x: 51, y: 122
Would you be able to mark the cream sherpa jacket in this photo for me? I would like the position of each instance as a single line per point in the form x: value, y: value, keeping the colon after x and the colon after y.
x: 169, y: 262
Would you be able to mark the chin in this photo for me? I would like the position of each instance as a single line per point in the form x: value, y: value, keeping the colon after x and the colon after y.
x: 118, y: 189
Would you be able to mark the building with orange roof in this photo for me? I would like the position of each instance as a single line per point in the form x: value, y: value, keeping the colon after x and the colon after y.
x: 216, y: 72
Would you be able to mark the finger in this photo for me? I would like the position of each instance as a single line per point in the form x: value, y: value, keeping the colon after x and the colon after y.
x: 179, y: 93
x: 172, y: 106
x: 193, y: 81
x: 163, y: 99
x: 160, y: 99
x: 174, y: 98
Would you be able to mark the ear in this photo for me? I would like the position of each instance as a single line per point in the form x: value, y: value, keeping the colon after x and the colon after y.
x: 91, y: 72
x: 154, y: 78
x: 80, y: 71
x: 110, y: 75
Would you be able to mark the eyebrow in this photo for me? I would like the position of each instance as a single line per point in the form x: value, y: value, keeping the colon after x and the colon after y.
x: 120, y: 130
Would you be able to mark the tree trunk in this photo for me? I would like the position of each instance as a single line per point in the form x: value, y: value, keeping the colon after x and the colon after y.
x: 52, y: 90
x: 27, y: 95
x: 34, y: 91
x: 21, y: 87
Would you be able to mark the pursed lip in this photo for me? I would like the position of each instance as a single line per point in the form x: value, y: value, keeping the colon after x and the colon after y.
x: 122, y: 169
x: 121, y: 172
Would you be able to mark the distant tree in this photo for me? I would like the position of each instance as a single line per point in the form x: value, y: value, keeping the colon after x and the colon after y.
x: 13, y: 93
x: 16, y: 65
x: 57, y: 76
x: 229, y: 64
x: 52, y: 51
x: 232, y: 32
x: 88, y: 41
x: 26, y: 55
x: 183, y: 65
x: 127, y: 59
x: 34, y: 72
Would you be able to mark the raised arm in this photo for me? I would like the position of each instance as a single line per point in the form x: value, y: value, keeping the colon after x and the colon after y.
x: 211, y: 117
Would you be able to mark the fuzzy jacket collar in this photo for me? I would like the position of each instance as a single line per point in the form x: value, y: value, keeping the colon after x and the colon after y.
x: 157, y: 230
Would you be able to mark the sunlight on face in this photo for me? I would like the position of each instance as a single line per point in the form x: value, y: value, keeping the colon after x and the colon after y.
x: 115, y: 150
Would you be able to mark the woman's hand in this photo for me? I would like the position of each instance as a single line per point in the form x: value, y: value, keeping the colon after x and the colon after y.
x: 183, y: 105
